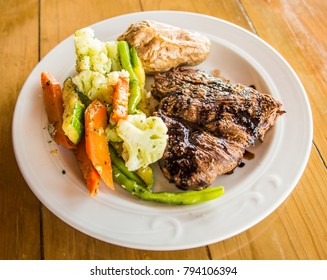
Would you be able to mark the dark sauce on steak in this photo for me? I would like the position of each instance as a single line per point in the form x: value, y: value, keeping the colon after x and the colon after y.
x: 210, y: 124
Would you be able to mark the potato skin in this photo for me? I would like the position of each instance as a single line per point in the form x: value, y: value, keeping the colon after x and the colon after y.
x: 162, y: 46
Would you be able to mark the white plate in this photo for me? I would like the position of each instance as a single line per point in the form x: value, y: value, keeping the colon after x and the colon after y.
x: 251, y: 193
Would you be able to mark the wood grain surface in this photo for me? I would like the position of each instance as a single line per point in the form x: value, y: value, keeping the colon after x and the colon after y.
x: 297, y: 29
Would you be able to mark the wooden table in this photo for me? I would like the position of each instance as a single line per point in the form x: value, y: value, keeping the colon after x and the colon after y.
x: 297, y: 29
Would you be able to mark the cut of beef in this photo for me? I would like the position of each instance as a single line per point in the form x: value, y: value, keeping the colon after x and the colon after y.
x: 210, y: 124
x: 194, y: 158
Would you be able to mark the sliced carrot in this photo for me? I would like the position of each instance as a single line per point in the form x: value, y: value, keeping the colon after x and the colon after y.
x: 91, y: 176
x: 120, y: 100
x: 96, y: 141
x: 54, y: 108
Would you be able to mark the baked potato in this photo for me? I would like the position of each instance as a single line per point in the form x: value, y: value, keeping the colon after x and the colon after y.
x: 161, y: 46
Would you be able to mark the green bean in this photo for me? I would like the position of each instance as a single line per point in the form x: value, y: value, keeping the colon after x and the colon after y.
x: 137, y: 66
x: 180, y: 198
x: 120, y: 164
x: 134, y: 83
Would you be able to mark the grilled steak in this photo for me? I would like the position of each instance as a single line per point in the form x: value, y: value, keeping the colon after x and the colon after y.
x: 210, y: 124
x: 194, y: 158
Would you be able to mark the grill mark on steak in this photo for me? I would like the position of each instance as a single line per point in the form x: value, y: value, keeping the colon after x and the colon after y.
x: 210, y: 123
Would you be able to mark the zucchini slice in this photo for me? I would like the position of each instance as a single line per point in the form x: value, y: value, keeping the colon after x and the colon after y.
x: 146, y: 174
x: 73, y: 116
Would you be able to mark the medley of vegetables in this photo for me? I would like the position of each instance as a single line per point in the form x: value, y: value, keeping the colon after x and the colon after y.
x: 101, y: 115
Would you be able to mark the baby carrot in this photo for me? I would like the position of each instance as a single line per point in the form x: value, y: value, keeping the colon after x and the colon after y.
x: 91, y: 176
x: 120, y: 100
x: 54, y: 108
x: 96, y: 141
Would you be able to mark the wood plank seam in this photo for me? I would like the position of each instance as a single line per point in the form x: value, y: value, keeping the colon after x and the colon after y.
x: 41, y: 233
x: 141, y: 5
x: 320, y: 155
x: 39, y: 28
x: 242, y: 8
x: 208, y: 252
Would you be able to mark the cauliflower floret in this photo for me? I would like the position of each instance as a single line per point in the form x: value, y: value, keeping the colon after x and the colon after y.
x: 112, y: 49
x: 96, y: 85
x: 91, y: 53
x: 145, y: 140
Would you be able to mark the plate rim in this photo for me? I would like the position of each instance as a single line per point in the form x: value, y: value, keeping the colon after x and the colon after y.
x: 174, y: 246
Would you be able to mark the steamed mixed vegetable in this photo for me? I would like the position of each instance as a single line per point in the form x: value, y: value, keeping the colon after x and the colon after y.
x: 101, y: 114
